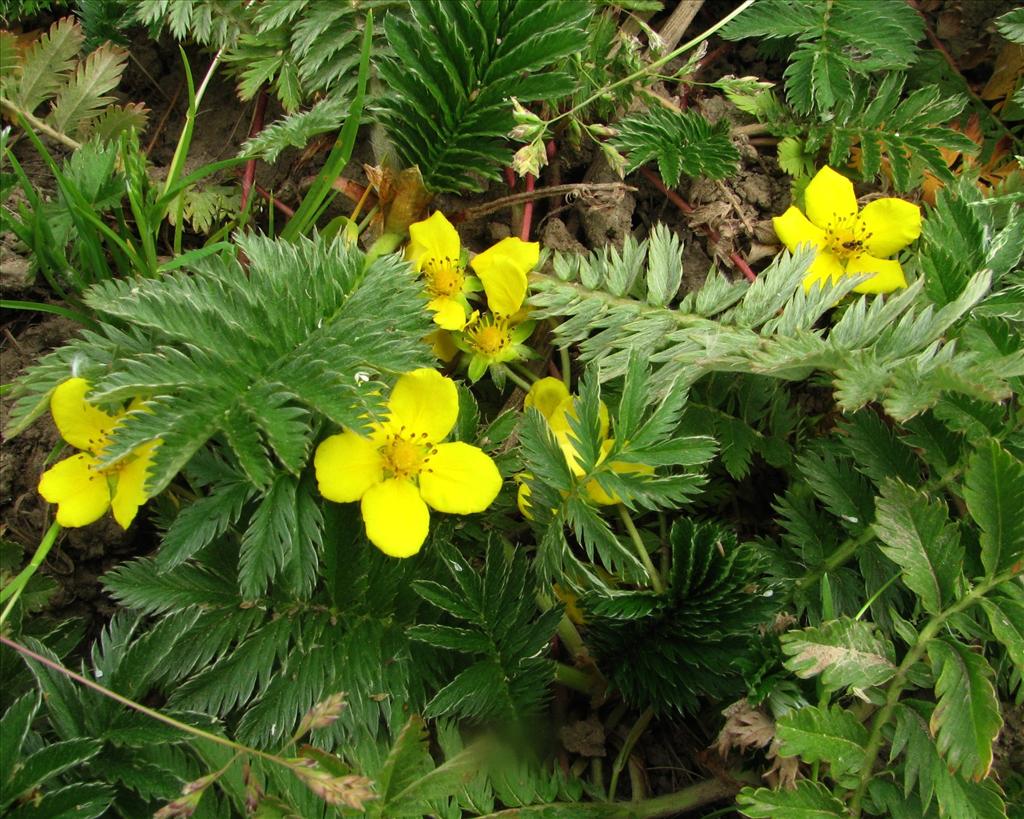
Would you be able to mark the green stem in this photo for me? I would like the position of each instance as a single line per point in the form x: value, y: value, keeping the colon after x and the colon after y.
x: 570, y: 637
x: 899, y: 681
x: 14, y: 589
x: 37, y: 124
x: 641, y: 550
x: 142, y: 709
x: 665, y: 60
x: 572, y: 677
x: 627, y: 748
x: 518, y: 380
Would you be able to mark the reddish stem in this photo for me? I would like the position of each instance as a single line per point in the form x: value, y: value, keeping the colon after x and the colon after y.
x: 281, y: 206
x: 524, y: 234
x: 688, y: 209
x: 257, y: 125
x: 510, y: 178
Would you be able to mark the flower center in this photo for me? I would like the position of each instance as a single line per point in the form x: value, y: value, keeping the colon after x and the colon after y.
x: 404, y: 458
x: 846, y: 238
x: 444, y: 276
x: 490, y: 336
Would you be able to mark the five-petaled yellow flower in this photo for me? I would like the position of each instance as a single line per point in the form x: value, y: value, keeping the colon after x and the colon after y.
x: 435, y: 251
x: 402, y: 467
x: 82, y: 489
x: 551, y: 397
x: 850, y: 243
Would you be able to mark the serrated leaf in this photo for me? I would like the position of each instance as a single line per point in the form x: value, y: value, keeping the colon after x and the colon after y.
x: 994, y: 491
x: 832, y: 734
x: 408, y: 759
x: 846, y: 653
x: 966, y: 719
x: 13, y: 727
x: 807, y: 800
x: 439, y: 783
x: 87, y: 91
x: 916, y: 535
x: 1006, y: 618
x: 45, y: 65
x: 49, y: 761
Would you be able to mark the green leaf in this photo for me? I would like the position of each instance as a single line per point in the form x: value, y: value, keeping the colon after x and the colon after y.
x: 13, y: 727
x: 87, y: 92
x: 808, y: 800
x: 49, y: 761
x: 1006, y: 618
x: 46, y: 65
x: 831, y: 734
x: 201, y: 522
x: 78, y: 801
x: 846, y: 653
x: 994, y: 491
x: 408, y: 760
x: 1011, y: 26
x: 682, y: 142
x: 443, y: 781
x: 966, y: 719
x: 916, y: 535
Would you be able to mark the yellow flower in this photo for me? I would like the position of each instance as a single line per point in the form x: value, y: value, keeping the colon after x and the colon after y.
x: 850, y: 243
x: 402, y: 468
x: 552, y: 399
x: 82, y: 489
x: 435, y: 251
x: 493, y: 339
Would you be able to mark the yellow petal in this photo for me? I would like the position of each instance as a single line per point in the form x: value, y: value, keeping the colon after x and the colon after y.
x: 559, y: 420
x: 396, y: 518
x: 459, y: 479
x: 347, y: 465
x: 888, y: 274
x: 425, y: 403
x: 80, y: 423
x: 794, y: 229
x: 432, y: 238
x: 130, y: 493
x: 889, y: 225
x: 79, y: 490
x: 825, y: 267
x: 523, y: 496
x: 520, y: 255
x: 441, y: 343
x: 448, y: 313
x: 502, y: 270
x: 546, y: 394
x: 829, y: 198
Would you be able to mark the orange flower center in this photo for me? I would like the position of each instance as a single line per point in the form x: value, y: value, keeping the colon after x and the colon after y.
x: 444, y: 277
x: 490, y: 337
x: 846, y: 238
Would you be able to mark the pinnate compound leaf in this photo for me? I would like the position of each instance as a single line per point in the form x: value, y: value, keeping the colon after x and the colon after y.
x: 916, y: 535
x: 833, y: 735
x: 966, y: 720
x: 994, y: 491
x: 88, y: 91
x: 682, y: 142
x: 46, y: 65
x: 846, y: 653
x: 808, y: 800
